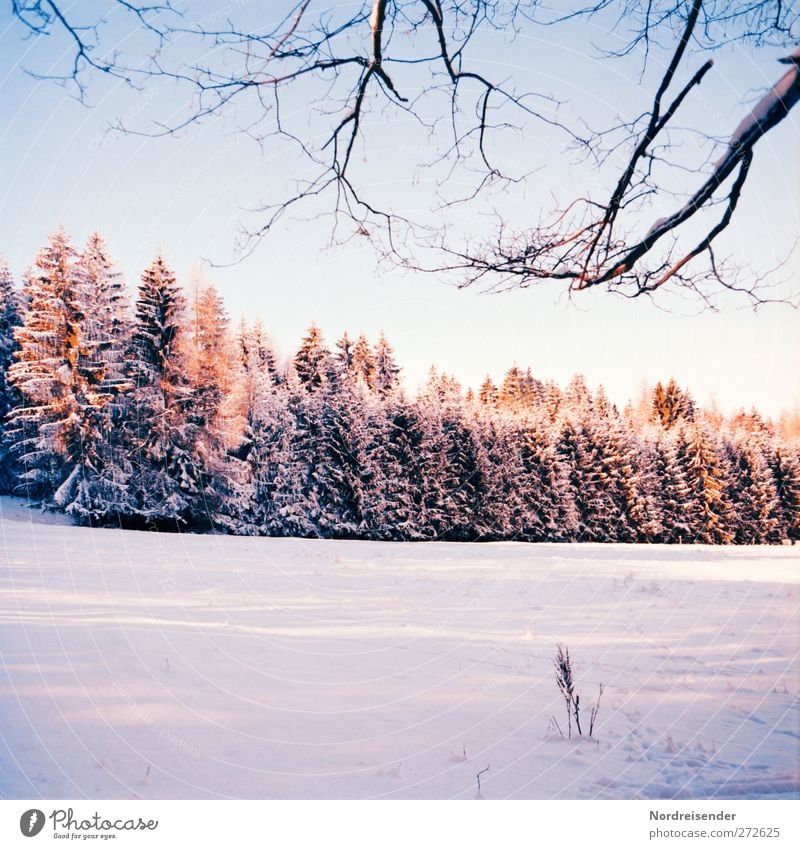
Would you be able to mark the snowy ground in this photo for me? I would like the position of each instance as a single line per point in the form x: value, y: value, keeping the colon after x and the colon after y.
x: 167, y: 666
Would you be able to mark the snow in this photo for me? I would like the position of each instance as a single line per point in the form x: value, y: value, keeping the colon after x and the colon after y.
x: 657, y: 225
x: 187, y: 666
x: 782, y: 96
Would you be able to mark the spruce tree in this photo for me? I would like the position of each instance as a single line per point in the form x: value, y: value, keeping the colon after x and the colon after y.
x: 254, y: 506
x: 344, y: 354
x: 106, y: 326
x: 488, y: 394
x: 9, y: 319
x: 398, y: 456
x: 54, y: 427
x: 548, y: 511
x: 751, y: 493
x: 785, y: 465
x: 106, y: 307
x: 343, y: 474
x: 511, y: 394
x: 363, y: 362
x: 710, y: 511
x: 215, y: 411
x: 164, y: 478
x: 312, y: 362
x: 387, y: 372
x: 672, y: 404
x: 497, y: 500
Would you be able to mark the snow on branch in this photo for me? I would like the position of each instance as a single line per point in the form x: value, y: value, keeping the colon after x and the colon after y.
x: 597, y: 252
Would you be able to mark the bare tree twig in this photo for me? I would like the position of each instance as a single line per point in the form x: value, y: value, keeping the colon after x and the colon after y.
x: 410, y: 59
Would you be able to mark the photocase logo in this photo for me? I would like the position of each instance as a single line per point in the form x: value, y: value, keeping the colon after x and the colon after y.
x: 31, y: 822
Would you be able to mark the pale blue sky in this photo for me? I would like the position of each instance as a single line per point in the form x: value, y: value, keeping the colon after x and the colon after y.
x: 186, y: 195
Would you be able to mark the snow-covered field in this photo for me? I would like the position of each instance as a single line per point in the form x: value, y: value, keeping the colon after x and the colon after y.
x: 167, y: 666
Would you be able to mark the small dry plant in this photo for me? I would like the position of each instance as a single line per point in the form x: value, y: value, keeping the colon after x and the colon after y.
x: 565, y: 680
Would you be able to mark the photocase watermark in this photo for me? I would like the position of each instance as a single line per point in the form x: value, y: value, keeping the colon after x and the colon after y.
x: 223, y: 12
x: 156, y: 727
x: 477, y: 602
x: 499, y: 679
x: 169, y: 582
x: 32, y: 822
x: 195, y: 179
x: 66, y: 825
x: 100, y: 139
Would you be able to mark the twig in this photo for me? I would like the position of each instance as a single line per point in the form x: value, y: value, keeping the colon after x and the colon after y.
x: 595, y: 711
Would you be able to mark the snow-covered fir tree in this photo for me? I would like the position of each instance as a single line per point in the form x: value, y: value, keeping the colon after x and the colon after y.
x: 9, y: 318
x: 707, y: 479
x: 165, y: 476
x: 784, y: 461
x: 672, y: 404
x: 215, y: 411
x: 55, y: 424
x: 254, y: 504
x: 387, y: 372
x: 313, y: 361
x: 488, y: 393
x: 548, y: 510
x: 344, y: 353
x: 102, y: 490
x: 107, y: 324
x: 752, y: 493
x: 167, y: 419
x: 363, y: 362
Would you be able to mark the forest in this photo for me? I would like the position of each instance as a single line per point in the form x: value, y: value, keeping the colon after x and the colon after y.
x: 154, y: 411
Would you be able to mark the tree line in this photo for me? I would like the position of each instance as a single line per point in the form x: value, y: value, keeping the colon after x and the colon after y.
x: 159, y: 414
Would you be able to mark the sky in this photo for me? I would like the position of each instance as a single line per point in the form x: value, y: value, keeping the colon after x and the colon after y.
x: 187, y: 196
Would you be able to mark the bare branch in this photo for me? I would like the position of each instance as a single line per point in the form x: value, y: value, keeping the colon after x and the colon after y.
x: 409, y: 60
x: 545, y: 253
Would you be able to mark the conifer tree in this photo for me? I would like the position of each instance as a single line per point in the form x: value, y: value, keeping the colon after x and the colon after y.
x: 552, y: 400
x: 312, y: 362
x: 488, y: 394
x: 106, y: 307
x: 343, y: 476
x: 344, y: 354
x: 211, y: 368
x: 102, y: 492
x: 268, y: 484
x: 167, y: 421
x: 672, y: 404
x: 9, y: 318
x: 55, y: 423
x: 707, y: 481
x: 648, y: 489
x: 752, y: 494
x: 619, y: 475
x: 512, y: 391
x: 675, y: 504
x: 579, y: 450
x: 449, y: 473
x: 785, y: 464
x: 398, y: 457
x: 548, y: 511
x: 161, y: 439
x: 299, y: 496
x: 497, y: 497
x: 277, y: 449
x: 577, y: 397
x: 387, y: 372
x: 215, y: 407
x: 363, y: 362
x: 257, y: 354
